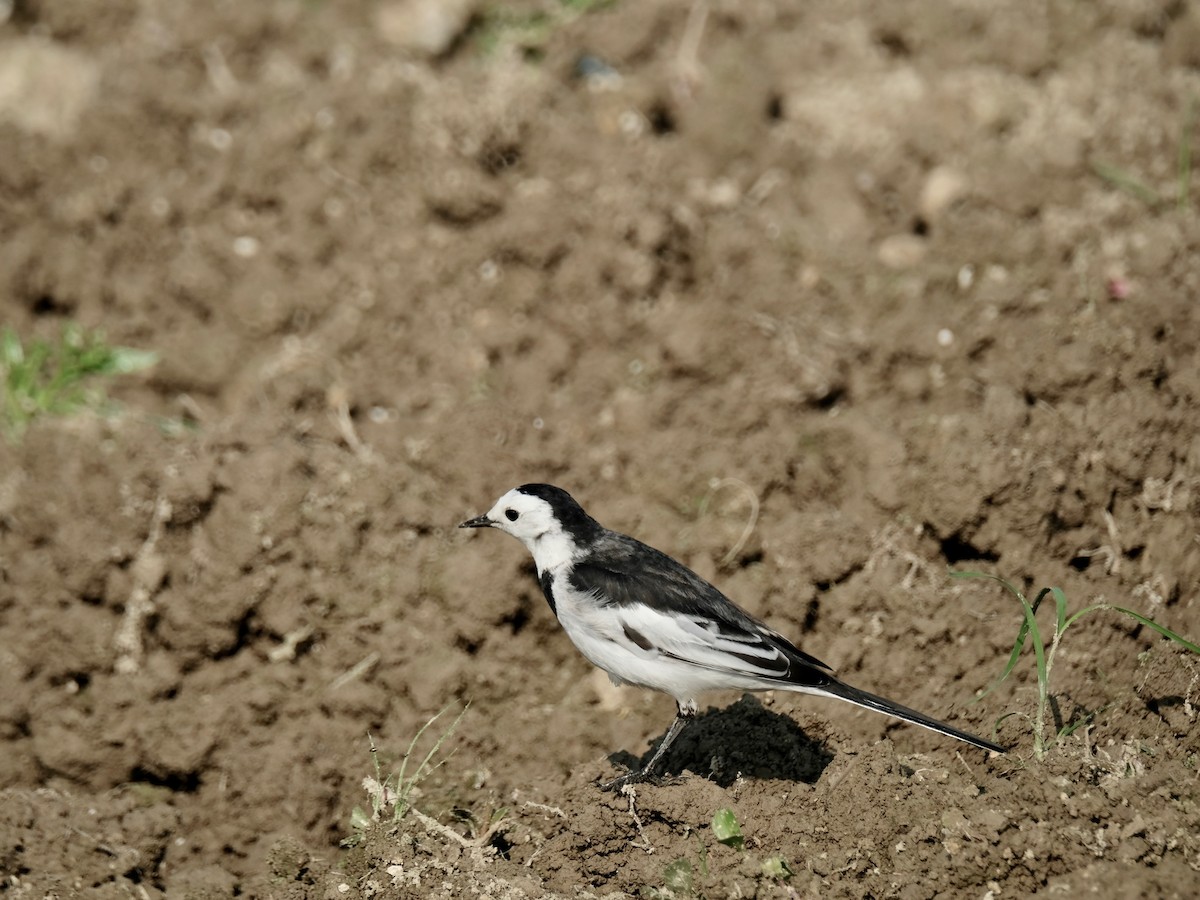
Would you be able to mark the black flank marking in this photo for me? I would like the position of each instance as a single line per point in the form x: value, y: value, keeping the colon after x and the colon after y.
x: 637, y: 637
x: 546, y: 580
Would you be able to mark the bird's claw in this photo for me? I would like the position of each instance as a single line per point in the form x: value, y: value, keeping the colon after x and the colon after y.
x: 619, y: 782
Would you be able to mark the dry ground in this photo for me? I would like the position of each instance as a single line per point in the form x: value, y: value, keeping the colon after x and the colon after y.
x: 916, y: 282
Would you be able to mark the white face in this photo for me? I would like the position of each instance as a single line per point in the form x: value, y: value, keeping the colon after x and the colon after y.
x: 524, y: 517
x: 531, y: 521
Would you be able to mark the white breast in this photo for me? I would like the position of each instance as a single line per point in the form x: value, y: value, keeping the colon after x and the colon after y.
x: 602, y: 634
x: 551, y: 550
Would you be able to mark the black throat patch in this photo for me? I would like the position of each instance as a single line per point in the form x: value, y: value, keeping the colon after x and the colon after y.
x: 546, y: 580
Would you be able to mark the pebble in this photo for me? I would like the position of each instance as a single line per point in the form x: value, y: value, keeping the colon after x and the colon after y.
x: 943, y: 188
x: 902, y: 251
x: 45, y: 87
x: 246, y: 246
x: 423, y: 27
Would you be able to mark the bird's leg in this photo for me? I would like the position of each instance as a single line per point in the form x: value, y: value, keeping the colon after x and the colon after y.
x: 687, y: 712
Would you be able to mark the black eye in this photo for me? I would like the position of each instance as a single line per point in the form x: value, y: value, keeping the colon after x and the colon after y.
x: 511, y: 515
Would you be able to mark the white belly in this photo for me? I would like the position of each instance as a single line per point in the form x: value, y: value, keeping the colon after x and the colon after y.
x: 600, y: 636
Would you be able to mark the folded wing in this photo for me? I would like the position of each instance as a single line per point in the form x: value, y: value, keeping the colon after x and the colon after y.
x: 666, y: 607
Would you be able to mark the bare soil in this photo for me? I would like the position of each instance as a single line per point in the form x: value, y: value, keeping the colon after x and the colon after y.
x: 903, y: 286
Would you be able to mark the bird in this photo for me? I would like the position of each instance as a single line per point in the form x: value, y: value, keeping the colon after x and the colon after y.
x: 650, y: 621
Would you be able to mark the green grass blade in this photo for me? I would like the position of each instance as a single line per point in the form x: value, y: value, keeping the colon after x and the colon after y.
x: 1070, y: 729
x: 1161, y: 629
x: 1018, y: 646
x: 1022, y: 632
x: 1137, y: 616
x: 26, y: 379
x: 424, y: 768
x: 60, y: 377
x: 1039, y: 648
x: 1122, y: 180
x: 126, y: 360
x: 406, y: 781
x: 413, y: 744
x: 1029, y: 629
x: 375, y: 758
x: 986, y: 576
x: 1000, y: 720
x: 1060, y: 604
x: 1083, y: 612
x: 12, y: 354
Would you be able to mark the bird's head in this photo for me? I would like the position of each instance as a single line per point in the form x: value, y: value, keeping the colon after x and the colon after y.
x: 546, y: 519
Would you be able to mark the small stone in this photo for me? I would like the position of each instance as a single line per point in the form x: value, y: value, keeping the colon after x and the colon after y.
x: 966, y: 277
x: 723, y: 194
x: 902, y: 251
x: 942, y: 189
x: 45, y: 87
x: 424, y: 27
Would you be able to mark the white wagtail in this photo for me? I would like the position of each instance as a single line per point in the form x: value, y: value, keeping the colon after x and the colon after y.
x: 648, y: 620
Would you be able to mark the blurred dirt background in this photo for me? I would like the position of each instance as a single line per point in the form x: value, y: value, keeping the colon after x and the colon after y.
x: 903, y: 286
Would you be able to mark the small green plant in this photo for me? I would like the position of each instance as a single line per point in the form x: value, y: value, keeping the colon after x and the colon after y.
x: 777, y: 867
x: 727, y: 830
x: 530, y: 30
x: 677, y: 876
x: 1129, y: 183
x: 397, y: 790
x: 45, y: 378
x: 1044, y: 654
x: 683, y: 879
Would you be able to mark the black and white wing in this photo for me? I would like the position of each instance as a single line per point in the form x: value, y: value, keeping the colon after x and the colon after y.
x: 666, y: 607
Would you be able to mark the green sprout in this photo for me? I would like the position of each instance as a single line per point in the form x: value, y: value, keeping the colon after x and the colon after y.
x: 1044, y: 654
x: 677, y: 876
x: 1126, y: 181
x: 45, y: 378
x: 398, y: 790
x: 777, y: 867
x: 727, y: 830
x: 501, y: 25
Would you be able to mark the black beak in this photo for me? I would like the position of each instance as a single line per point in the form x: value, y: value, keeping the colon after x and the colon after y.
x: 477, y: 522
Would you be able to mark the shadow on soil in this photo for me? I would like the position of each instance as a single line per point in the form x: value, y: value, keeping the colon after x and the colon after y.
x: 745, y: 739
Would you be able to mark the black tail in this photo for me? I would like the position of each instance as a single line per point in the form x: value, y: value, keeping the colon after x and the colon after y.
x: 889, y: 708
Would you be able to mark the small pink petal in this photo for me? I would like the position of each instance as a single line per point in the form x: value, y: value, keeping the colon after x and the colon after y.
x: 1118, y: 288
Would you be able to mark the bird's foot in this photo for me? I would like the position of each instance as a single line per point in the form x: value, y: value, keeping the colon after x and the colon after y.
x: 620, y: 781
x: 640, y: 777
